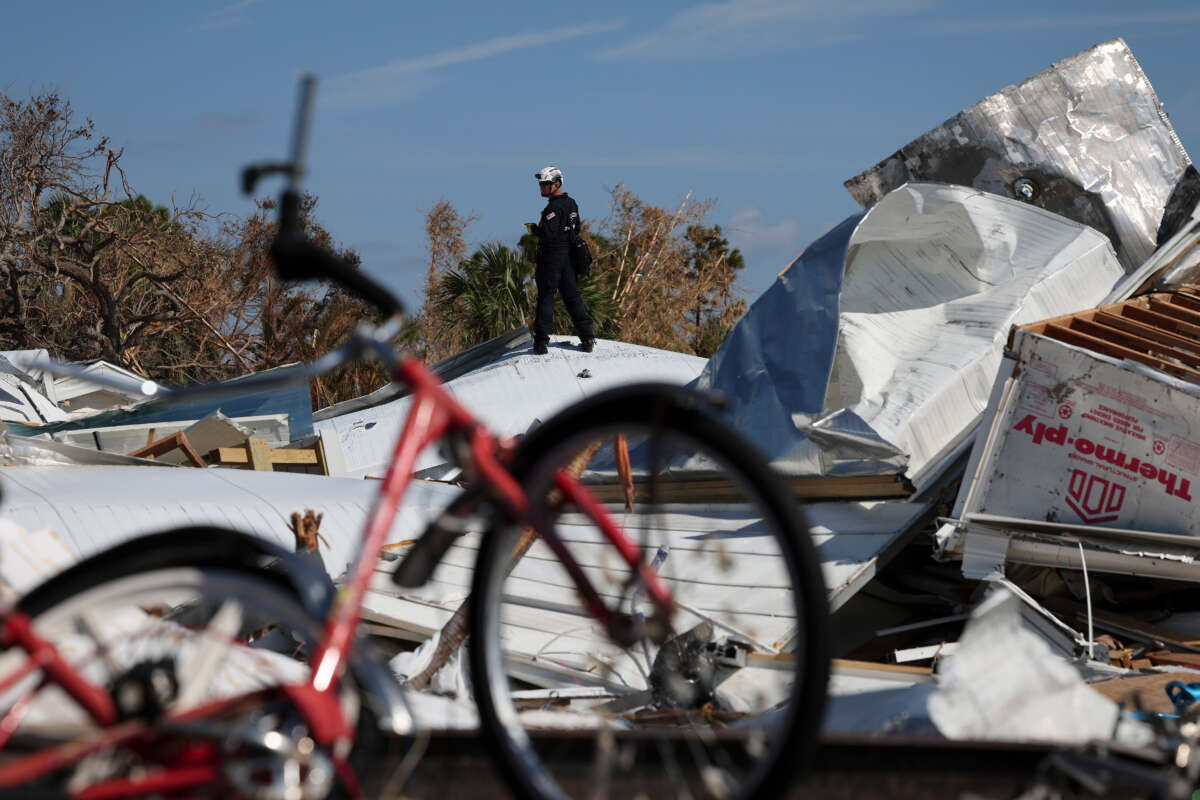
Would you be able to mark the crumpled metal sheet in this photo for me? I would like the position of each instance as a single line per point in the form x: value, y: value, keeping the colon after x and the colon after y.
x: 1090, y: 134
x: 876, y: 350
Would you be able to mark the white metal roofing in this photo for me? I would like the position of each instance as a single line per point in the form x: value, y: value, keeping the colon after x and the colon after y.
x: 95, y: 507
x: 881, y: 341
x: 1089, y: 129
x: 511, y: 393
x: 90, y: 508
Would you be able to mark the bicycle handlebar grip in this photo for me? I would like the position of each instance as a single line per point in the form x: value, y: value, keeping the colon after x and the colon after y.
x: 298, y: 259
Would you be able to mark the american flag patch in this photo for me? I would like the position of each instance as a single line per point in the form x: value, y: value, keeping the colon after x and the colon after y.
x: 550, y: 215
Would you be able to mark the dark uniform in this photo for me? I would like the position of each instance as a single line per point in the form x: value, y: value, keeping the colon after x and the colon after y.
x: 554, y: 271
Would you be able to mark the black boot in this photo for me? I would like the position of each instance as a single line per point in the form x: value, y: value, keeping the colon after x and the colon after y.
x: 539, y: 348
x: 587, y: 345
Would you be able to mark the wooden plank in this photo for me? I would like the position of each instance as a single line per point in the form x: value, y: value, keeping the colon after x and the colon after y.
x: 1149, y: 689
x: 319, y: 451
x: 1183, y: 343
x: 1185, y: 301
x: 1098, y: 345
x: 240, y: 455
x: 1163, y: 322
x: 176, y: 441
x: 907, y: 669
x: 292, y: 456
x: 1165, y: 658
x: 1137, y: 342
x: 260, y: 454
x: 716, y: 490
x: 1169, y: 305
x: 232, y: 455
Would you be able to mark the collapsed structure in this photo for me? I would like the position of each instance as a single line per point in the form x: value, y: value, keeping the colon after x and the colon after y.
x: 1003, y: 340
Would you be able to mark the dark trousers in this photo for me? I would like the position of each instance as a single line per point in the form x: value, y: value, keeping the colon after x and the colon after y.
x: 558, y: 276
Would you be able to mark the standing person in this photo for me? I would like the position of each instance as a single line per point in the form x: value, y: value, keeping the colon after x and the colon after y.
x: 554, y: 273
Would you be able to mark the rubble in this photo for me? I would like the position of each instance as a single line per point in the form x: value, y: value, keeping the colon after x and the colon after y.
x: 984, y: 386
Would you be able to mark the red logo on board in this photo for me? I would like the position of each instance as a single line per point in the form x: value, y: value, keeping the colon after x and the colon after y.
x: 1093, y: 498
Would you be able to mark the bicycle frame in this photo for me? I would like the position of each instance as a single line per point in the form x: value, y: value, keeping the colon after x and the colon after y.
x: 434, y: 414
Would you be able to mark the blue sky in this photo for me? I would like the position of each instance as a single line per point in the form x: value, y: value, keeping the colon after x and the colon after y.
x: 765, y: 105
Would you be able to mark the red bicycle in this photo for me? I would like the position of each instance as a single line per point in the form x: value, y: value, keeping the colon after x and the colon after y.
x: 647, y: 613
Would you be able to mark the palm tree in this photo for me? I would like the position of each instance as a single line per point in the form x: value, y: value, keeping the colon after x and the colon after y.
x: 487, y: 295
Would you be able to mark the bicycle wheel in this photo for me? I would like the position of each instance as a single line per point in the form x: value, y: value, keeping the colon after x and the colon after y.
x: 172, y: 622
x: 728, y: 705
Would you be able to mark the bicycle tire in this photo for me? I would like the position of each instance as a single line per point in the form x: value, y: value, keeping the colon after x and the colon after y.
x: 517, y: 617
x: 162, y: 587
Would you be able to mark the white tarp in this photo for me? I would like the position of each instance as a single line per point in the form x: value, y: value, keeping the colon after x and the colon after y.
x: 876, y: 350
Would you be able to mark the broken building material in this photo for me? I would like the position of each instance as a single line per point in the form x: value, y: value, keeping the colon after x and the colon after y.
x: 874, y: 352
x: 1086, y: 460
x: 1086, y: 138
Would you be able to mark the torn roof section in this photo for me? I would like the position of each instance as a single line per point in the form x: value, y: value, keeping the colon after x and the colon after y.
x: 293, y: 401
x: 21, y: 401
x: 1086, y: 138
x: 875, y: 351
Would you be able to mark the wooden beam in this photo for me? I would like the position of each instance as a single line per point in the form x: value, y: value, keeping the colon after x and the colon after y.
x: 1099, y: 345
x: 260, y: 453
x: 718, y: 490
x: 1164, y: 322
x: 1129, y: 325
x: 319, y: 452
x: 242, y: 455
x: 1135, y: 341
x: 176, y: 441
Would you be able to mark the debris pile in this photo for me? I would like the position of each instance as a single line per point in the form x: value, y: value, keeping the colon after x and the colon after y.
x: 983, y: 387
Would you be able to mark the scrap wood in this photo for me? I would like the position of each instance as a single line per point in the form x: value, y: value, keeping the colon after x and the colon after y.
x: 716, y: 490
x: 257, y: 454
x: 1166, y: 658
x: 624, y: 470
x: 1158, y: 330
x: 1149, y: 690
x: 846, y: 664
x: 176, y: 441
x: 1126, y: 626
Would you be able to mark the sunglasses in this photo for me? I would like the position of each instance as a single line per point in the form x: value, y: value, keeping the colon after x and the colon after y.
x: 545, y: 183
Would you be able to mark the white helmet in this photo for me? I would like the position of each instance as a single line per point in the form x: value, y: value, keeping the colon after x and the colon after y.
x: 550, y: 173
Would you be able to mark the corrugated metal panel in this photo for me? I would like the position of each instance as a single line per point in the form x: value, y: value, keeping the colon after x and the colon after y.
x: 511, y: 393
x: 95, y: 507
x: 89, y: 508
x: 875, y: 351
x: 1089, y: 133
x: 291, y: 400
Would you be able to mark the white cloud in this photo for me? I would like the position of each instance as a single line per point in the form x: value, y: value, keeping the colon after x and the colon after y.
x: 742, y: 23
x: 228, y: 16
x: 1026, y: 24
x: 767, y: 246
x: 750, y: 229
x: 402, y: 79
